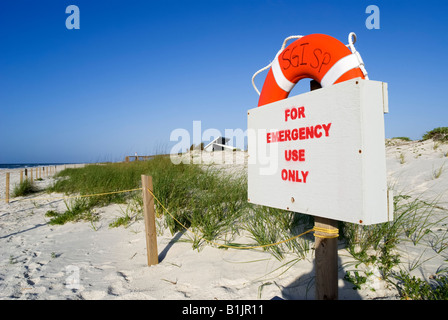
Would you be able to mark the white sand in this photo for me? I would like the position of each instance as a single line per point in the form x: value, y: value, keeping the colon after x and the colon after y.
x: 81, y: 261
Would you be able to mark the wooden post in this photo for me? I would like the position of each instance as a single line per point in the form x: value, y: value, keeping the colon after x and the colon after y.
x: 326, y: 260
x: 31, y: 174
x: 21, y: 176
x: 150, y: 221
x: 26, y: 173
x: 7, y: 188
x: 326, y: 251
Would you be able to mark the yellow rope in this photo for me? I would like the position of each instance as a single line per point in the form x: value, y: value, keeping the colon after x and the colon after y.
x: 71, y: 197
x: 334, y: 233
x: 331, y: 231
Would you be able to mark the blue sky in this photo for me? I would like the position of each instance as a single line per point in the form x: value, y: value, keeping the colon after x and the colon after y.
x: 137, y: 70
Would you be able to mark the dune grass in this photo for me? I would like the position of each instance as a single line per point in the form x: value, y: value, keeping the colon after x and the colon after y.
x: 200, y: 198
x: 24, y: 188
x: 416, y: 222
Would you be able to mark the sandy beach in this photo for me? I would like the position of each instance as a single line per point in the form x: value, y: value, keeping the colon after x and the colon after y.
x: 93, y: 261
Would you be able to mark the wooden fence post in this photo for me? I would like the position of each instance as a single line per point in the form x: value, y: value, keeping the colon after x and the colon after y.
x: 7, y: 188
x: 21, y: 176
x: 150, y: 221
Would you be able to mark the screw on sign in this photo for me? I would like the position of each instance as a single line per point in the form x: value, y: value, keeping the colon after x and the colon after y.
x: 326, y: 146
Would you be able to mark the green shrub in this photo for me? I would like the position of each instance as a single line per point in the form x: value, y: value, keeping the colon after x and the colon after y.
x: 418, y: 289
x: 437, y: 134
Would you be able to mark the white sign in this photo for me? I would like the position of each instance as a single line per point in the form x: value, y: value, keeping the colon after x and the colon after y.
x: 323, y: 153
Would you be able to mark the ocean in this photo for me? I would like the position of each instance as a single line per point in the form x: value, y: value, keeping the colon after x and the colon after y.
x: 28, y: 165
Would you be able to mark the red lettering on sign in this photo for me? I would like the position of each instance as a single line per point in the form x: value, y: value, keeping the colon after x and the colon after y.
x: 295, y: 155
x: 287, y: 135
x: 327, y: 129
x: 301, y: 112
x: 302, y: 133
x: 304, y: 175
x: 302, y: 155
x: 294, y: 175
x: 317, y: 134
x: 284, y: 174
x: 295, y: 113
x: 281, y: 135
x: 295, y: 134
x: 309, y: 132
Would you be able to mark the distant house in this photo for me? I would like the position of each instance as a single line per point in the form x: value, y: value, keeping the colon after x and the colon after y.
x: 219, y: 144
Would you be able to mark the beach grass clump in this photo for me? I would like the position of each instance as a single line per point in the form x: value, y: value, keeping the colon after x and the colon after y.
x: 403, y: 138
x: 204, y: 200
x: 415, y: 221
x: 24, y: 188
x: 437, y: 134
x: 77, y: 209
x: 436, y: 173
x: 270, y: 225
x: 132, y: 212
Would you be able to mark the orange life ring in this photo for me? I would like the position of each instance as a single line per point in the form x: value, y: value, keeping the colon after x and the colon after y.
x: 317, y: 56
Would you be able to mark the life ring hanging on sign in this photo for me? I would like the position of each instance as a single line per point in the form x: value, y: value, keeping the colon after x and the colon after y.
x: 317, y: 56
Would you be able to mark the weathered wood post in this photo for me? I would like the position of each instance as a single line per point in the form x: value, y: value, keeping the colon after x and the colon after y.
x: 326, y: 259
x: 21, y: 176
x: 150, y: 221
x: 7, y: 188
x: 326, y: 250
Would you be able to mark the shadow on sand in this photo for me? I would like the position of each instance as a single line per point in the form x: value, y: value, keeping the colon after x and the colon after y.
x: 165, y: 250
x: 303, y: 288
